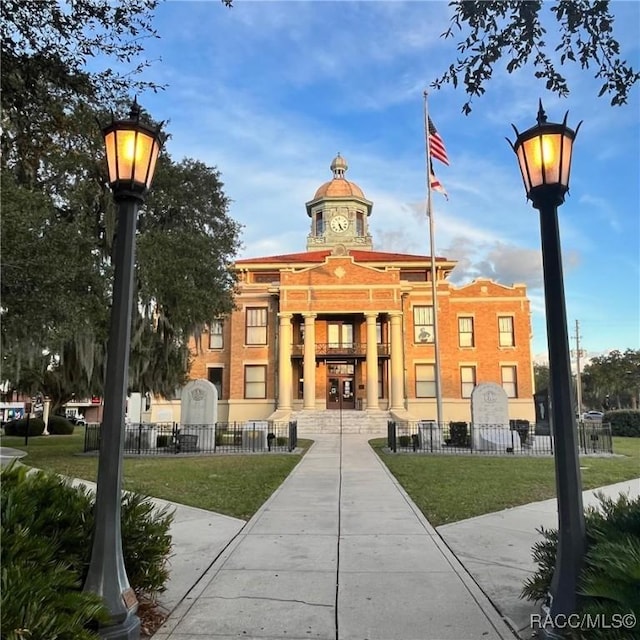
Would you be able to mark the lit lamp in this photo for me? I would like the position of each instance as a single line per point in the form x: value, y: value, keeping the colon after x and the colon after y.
x: 544, y: 155
x: 132, y: 151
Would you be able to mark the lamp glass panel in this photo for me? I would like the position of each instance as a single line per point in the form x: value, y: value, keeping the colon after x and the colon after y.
x: 110, y: 145
x: 543, y: 158
x: 527, y: 169
x: 127, y: 153
x: 567, y: 149
x: 143, y: 150
x: 155, y: 151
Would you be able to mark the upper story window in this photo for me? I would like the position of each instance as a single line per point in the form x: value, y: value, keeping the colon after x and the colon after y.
x: 506, y: 337
x: 465, y: 332
x: 467, y: 380
x: 215, y: 334
x: 423, y: 324
x: 359, y: 223
x: 339, y: 334
x: 256, y: 325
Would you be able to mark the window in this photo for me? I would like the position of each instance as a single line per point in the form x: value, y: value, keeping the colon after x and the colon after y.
x: 509, y: 381
x: 359, y: 223
x: 465, y: 332
x: 256, y: 326
x: 505, y: 330
x: 467, y: 381
x: 319, y: 223
x: 255, y: 381
x: 215, y: 334
x: 425, y: 381
x: 214, y: 375
x: 423, y: 324
x: 340, y: 335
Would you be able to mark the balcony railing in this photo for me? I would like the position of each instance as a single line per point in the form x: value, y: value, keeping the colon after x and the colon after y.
x: 336, y: 349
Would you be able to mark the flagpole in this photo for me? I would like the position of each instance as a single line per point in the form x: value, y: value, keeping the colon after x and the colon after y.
x: 434, y: 285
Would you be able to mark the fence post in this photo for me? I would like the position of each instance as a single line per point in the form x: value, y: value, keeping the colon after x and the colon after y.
x: 391, y: 435
x: 293, y: 435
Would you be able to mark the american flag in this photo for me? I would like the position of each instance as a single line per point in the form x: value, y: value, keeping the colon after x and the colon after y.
x: 435, y: 184
x: 436, y: 145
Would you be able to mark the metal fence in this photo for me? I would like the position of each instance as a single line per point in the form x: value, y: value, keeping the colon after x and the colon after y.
x: 519, y: 438
x: 222, y: 437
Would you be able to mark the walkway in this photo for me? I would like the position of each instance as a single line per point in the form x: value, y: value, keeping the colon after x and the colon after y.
x: 338, y: 552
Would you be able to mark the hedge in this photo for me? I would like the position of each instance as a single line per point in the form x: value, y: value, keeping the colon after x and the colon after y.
x: 624, y: 422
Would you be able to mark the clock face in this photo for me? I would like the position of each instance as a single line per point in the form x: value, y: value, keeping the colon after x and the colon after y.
x: 339, y: 224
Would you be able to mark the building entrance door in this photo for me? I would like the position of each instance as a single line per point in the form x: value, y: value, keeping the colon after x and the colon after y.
x: 341, y: 386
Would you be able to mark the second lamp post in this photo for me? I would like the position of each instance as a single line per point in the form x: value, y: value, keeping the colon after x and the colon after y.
x: 544, y: 155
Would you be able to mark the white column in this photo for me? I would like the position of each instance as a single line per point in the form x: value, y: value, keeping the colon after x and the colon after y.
x: 397, y: 377
x: 285, y: 338
x: 372, y: 361
x: 309, y: 366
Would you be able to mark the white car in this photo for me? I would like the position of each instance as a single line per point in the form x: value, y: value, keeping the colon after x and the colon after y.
x: 594, y: 416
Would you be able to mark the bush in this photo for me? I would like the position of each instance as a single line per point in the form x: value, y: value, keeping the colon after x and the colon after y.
x: 404, y: 441
x: 59, y: 426
x: 163, y: 441
x: 19, y: 427
x: 624, y: 423
x: 458, y: 434
x: 609, y: 581
x: 281, y: 441
x: 46, y: 533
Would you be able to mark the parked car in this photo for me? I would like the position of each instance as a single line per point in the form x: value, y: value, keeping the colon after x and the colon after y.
x: 594, y: 416
x: 79, y: 420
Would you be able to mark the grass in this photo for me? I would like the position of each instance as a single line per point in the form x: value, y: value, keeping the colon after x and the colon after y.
x: 452, y: 488
x: 235, y: 485
x: 445, y: 488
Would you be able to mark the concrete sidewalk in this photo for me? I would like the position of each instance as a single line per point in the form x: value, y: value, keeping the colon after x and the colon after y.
x: 338, y: 552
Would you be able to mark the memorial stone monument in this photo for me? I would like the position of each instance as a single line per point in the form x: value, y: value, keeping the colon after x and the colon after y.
x: 198, y: 415
x: 490, y: 419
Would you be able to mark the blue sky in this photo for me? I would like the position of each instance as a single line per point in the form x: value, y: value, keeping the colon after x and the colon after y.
x: 269, y: 92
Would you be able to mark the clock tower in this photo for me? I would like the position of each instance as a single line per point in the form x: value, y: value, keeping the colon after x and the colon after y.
x: 339, y: 213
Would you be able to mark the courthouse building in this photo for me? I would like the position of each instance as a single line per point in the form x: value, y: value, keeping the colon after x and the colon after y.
x: 342, y: 328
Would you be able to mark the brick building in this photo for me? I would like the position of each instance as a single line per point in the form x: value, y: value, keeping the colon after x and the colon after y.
x: 343, y: 327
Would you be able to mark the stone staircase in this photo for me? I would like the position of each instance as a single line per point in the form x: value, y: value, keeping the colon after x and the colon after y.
x: 332, y: 421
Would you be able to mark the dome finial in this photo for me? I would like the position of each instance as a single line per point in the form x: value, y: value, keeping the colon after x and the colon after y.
x: 338, y: 166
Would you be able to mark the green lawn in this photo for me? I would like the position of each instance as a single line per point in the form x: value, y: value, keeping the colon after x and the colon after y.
x: 236, y: 485
x: 446, y: 488
x: 452, y: 488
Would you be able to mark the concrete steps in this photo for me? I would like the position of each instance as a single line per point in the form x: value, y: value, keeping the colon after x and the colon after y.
x: 332, y: 421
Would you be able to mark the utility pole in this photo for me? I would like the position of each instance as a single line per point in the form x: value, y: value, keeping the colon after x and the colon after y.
x: 578, y: 353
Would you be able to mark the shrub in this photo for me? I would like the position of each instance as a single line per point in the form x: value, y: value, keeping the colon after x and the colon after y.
x: 404, y: 441
x: 19, y: 427
x: 146, y: 544
x: 281, y: 441
x: 163, y: 440
x: 458, y: 434
x: 46, y: 534
x: 609, y: 581
x: 59, y: 426
x: 625, y: 422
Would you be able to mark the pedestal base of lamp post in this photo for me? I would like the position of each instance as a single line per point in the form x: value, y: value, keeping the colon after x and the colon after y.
x: 548, y: 632
x: 128, y: 629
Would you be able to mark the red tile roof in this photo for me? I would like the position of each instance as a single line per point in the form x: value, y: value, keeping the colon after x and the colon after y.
x: 358, y: 255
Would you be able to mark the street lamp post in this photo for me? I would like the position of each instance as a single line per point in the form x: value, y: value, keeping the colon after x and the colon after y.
x: 544, y: 155
x: 132, y: 151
